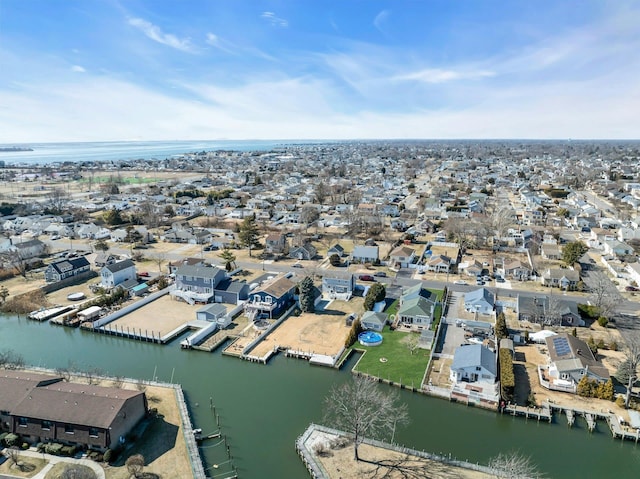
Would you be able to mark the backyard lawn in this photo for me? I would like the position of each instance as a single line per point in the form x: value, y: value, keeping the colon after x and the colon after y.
x: 392, y: 360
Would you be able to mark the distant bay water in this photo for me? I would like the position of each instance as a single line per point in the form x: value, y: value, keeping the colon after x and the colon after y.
x: 47, y: 153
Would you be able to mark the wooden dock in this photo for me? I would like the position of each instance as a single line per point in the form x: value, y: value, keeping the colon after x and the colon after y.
x: 543, y: 413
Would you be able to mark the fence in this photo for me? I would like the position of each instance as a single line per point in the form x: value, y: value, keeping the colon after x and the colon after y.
x: 318, y: 472
x: 271, y: 327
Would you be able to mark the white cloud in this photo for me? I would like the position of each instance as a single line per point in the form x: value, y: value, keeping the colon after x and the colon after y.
x: 438, y: 75
x: 78, y: 69
x: 155, y: 33
x: 381, y: 19
x: 213, y: 40
x: 274, y: 20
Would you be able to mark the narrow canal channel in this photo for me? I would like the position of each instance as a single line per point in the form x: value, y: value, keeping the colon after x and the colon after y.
x: 262, y: 409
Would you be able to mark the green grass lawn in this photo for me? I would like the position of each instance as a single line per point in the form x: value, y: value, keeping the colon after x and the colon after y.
x: 401, y: 366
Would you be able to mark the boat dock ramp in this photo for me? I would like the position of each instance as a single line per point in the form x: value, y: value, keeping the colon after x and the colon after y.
x: 546, y: 411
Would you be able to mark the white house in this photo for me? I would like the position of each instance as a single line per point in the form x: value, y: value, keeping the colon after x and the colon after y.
x: 473, y: 363
x: 117, y: 273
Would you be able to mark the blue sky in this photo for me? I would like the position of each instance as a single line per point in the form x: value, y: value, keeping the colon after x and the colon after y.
x: 90, y: 70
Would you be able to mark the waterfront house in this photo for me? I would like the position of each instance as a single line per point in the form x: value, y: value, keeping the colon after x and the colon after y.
x: 373, y: 321
x: 198, y: 282
x: 211, y: 312
x: 338, y: 285
x: 115, y: 274
x: 66, y: 268
x: 271, y: 298
x: 472, y: 363
x: 479, y: 301
x: 417, y: 306
x: 43, y: 408
x: 570, y: 359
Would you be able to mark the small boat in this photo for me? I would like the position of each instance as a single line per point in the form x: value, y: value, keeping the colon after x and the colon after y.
x: 46, y: 314
x: 75, y: 296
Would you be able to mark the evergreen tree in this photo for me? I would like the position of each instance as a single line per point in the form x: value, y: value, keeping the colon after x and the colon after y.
x: 334, y: 259
x: 306, y: 295
x: 606, y: 390
x: 248, y: 233
x: 501, y: 327
x: 376, y: 293
x: 571, y: 252
x: 229, y: 259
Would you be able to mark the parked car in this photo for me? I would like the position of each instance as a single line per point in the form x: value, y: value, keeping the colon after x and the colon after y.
x: 297, y: 265
x: 459, y: 281
x: 631, y: 288
x: 380, y: 274
x: 144, y: 274
x: 499, y: 279
x: 366, y: 277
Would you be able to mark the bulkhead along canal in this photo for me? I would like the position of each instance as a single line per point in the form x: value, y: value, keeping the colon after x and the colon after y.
x: 262, y: 409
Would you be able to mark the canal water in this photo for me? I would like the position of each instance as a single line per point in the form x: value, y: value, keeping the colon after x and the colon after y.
x: 262, y: 409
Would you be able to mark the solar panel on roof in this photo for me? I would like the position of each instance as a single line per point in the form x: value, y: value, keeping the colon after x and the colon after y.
x: 562, y: 346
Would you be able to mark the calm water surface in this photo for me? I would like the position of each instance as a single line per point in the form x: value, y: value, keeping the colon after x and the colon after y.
x: 262, y: 409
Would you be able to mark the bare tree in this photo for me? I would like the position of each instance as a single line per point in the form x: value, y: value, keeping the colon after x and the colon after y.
x: 601, y: 295
x: 361, y: 408
x: 514, y: 466
x: 13, y: 455
x: 627, y: 372
x: 9, y: 359
x: 135, y: 464
x: 411, y: 341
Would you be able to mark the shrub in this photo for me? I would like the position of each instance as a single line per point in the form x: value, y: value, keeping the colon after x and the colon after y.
x: 24, y: 446
x: 53, y: 448
x: 68, y: 451
x: 602, y: 321
x: 356, y: 328
x: 2, y: 437
x: 107, y: 456
x: 507, y: 376
x: 620, y: 401
x: 11, y: 440
x: 40, y: 447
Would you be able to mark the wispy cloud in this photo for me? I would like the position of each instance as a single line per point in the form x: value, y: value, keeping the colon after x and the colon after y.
x: 217, y: 42
x: 380, y: 20
x: 156, y: 34
x: 274, y: 20
x: 78, y: 69
x: 438, y: 75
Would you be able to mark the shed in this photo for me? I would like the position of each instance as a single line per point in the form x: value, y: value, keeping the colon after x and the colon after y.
x: 90, y: 313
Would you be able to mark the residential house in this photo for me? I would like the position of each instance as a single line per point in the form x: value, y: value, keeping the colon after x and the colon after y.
x: 29, y: 249
x: 617, y: 248
x: 307, y: 251
x: 336, y: 249
x: 634, y: 272
x: 103, y: 259
x: 571, y: 359
x: 514, y: 269
x: 473, y: 363
x: 417, y: 307
x: 562, y: 278
x: 473, y: 269
x: 550, y: 251
x: 365, y: 254
x: 338, y: 285
x: 548, y: 311
x: 402, y: 256
x: 271, y: 298
x: 275, y: 243
x: 439, y: 264
x: 43, y: 408
x: 373, y: 321
x: 66, y: 268
x: 481, y: 301
x: 198, y: 282
x: 117, y: 273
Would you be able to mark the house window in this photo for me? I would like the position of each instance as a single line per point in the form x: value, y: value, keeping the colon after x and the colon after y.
x: 22, y: 421
x: 478, y: 368
x: 93, y: 432
x: 46, y: 425
x: 68, y: 429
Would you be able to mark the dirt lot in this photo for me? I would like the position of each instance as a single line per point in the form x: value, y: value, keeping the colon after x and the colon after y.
x: 322, y: 332
x: 340, y: 464
x: 161, y: 316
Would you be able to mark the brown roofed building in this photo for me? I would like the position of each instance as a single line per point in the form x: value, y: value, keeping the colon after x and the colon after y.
x: 43, y: 408
x: 271, y: 298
